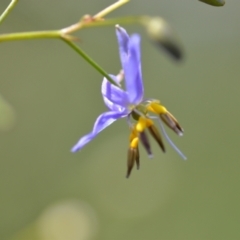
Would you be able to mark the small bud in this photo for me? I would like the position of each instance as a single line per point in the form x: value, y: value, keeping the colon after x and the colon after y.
x: 156, y: 135
x: 163, y: 35
x: 216, y: 3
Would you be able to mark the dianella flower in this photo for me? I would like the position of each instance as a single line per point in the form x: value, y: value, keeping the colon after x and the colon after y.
x: 130, y: 104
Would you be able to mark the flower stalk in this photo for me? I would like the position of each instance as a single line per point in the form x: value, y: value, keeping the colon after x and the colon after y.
x: 90, y: 60
x: 8, y: 10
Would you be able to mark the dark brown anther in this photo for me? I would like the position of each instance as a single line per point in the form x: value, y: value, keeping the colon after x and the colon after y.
x: 132, y: 153
x: 137, y: 158
x: 156, y: 135
x: 172, y: 123
x: 145, y: 142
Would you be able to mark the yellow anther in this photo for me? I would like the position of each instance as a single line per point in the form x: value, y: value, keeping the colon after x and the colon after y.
x: 134, y: 133
x: 149, y: 108
x: 149, y: 122
x: 141, y: 124
x: 157, y: 108
x: 134, y: 142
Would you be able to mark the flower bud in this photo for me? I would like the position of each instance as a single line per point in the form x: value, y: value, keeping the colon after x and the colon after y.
x: 163, y: 35
x: 216, y: 3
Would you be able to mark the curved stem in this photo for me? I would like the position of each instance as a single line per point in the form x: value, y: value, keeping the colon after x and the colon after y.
x: 8, y: 10
x: 90, y: 61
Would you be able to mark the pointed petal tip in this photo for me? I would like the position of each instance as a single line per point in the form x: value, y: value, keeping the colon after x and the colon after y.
x: 74, y: 149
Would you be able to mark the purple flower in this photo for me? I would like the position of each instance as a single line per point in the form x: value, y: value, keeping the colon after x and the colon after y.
x: 129, y: 103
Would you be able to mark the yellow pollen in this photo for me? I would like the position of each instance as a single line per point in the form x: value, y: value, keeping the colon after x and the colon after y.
x: 134, y: 142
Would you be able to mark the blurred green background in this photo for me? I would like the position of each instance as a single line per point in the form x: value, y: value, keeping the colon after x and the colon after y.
x: 48, y: 193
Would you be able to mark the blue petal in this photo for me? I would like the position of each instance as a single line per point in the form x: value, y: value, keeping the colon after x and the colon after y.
x: 123, y: 40
x: 130, y: 55
x: 103, y: 121
x: 114, y: 97
x: 133, y: 73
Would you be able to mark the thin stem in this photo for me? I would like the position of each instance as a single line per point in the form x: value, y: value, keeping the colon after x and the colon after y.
x: 114, y: 21
x: 30, y: 35
x: 66, y: 31
x: 96, y: 20
x: 8, y: 10
x: 90, y: 61
x: 111, y: 8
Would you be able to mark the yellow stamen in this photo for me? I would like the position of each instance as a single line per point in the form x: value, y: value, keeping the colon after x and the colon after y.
x: 149, y: 122
x: 133, y: 134
x: 134, y: 143
x: 141, y: 124
x: 157, y: 108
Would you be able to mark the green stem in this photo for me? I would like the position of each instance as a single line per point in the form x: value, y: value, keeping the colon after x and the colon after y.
x: 90, y: 61
x: 60, y: 33
x: 97, y: 17
x: 30, y: 35
x: 8, y: 10
x: 110, y: 8
x: 114, y: 21
x: 106, y: 22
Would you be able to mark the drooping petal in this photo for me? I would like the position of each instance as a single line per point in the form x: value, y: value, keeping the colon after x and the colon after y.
x: 114, y: 97
x: 103, y: 121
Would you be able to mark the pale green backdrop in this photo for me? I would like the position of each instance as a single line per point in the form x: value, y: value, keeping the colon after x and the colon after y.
x: 55, y: 96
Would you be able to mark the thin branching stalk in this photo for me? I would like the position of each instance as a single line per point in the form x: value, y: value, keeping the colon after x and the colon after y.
x: 30, y: 35
x: 8, y: 10
x: 89, y: 60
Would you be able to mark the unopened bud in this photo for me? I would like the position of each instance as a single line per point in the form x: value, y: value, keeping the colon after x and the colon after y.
x: 163, y: 35
x: 216, y: 3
